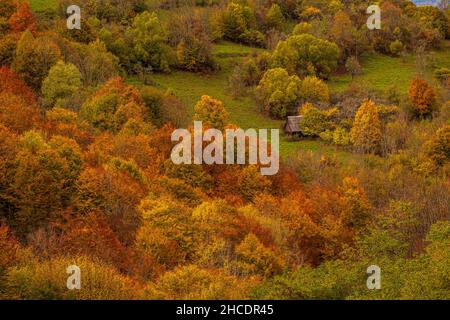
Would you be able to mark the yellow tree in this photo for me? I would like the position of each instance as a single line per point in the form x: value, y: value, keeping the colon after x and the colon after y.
x: 212, y: 112
x: 366, y: 131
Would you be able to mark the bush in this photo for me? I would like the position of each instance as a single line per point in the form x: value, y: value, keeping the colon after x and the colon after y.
x: 396, y: 47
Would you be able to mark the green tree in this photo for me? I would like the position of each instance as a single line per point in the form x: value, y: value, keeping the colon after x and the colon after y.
x: 34, y: 58
x: 306, y: 55
x: 95, y: 62
x: 274, y: 17
x: 149, y: 42
x: 279, y: 92
x: 61, y: 84
x: 113, y: 105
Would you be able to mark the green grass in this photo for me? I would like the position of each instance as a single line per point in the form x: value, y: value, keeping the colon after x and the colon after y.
x: 380, y: 72
x: 43, y: 5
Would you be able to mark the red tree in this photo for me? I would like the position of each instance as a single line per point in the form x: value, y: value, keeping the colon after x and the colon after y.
x: 23, y: 19
x: 10, y: 82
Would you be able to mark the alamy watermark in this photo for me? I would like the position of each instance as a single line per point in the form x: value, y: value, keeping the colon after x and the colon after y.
x: 374, y: 279
x: 374, y: 20
x: 74, y: 20
x: 191, y: 149
x: 74, y: 279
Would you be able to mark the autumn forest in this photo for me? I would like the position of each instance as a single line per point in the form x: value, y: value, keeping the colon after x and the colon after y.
x: 87, y: 115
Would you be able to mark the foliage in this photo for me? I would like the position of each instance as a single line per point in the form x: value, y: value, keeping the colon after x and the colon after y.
x: 113, y: 105
x: 34, y: 59
x: 366, y: 130
x: 61, y: 84
x: 438, y: 148
x: 238, y: 24
x: 353, y: 67
x: 422, y: 97
x: 47, y: 280
x: 211, y: 112
x: 149, y: 42
x: 314, y: 90
x: 23, y: 19
x: 279, y: 92
x: 191, y: 282
x: 315, y: 121
x: 306, y: 55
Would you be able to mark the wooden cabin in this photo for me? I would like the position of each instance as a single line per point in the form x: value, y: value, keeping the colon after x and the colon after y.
x: 292, y: 125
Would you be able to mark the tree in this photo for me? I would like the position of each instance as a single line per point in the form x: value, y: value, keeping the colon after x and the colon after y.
x: 239, y: 24
x: 9, y: 248
x: 149, y: 42
x: 438, y: 148
x: 44, y: 179
x: 314, y: 90
x: 115, y: 193
x: 173, y: 219
x: 353, y: 67
x: 422, y: 97
x: 306, y: 55
x: 90, y: 235
x: 302, y: 28
x: 191, y: 282
x: 279, y: 93
x: 251, y: 183
x: 23, y: 19
x: 195, y: 54
x: 34, y: 58
x: 17, y: 113
x: 366, y: 130
x: 211, y: 112
x: 96, y: 64
x: 315, y: 121
x: 113, y: 105
x: 253, y: 258
x: 8, y: 45
x: 191, y: 34
x: 342, y: 32
x: 7, y: 8
x: 44, y: 280
x: 274, y: 17
x: 61, y: 84
x: 11, y: 82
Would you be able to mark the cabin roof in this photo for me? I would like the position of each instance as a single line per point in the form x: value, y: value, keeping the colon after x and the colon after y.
x: 293, y: 124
